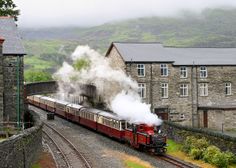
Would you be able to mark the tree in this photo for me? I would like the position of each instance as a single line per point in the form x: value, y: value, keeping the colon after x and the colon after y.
x: 37, y: 76
x: 7, y: 8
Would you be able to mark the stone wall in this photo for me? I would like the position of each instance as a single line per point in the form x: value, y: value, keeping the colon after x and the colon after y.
x: 179, y: 134
x: 220, y: 119
x: 21, y: 150
x: 116, y: 61
x: 10, y: 87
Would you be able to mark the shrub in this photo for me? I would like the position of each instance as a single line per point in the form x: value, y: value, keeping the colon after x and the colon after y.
x: 220, y: 160
x: 209, y: 153
x: 188, y: 144
x: 230, y: 157
x: 201, y: 144
x: 196, y: 153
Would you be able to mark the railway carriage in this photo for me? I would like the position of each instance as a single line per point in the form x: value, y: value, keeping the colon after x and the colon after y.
x: 111, y: 125
x: 50, y: 104
x: 88, y: 117
x: 72, y: 112
x: 30, y: 99
x: 42, y: 103
x: 36, y: 100
x: 60, y: 108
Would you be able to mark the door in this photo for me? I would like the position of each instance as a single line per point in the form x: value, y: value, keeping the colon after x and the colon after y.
x: 205, y: 119
x: 162, y: 113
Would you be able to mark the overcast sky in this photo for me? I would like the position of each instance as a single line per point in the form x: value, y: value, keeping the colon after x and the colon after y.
x: 48, y: 13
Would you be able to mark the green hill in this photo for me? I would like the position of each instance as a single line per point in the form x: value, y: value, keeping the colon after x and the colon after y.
x: 211, y: 28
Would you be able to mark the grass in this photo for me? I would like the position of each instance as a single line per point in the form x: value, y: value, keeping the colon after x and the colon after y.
x: 133, y: 164
x: 36, y: 166
x: 37, y: 63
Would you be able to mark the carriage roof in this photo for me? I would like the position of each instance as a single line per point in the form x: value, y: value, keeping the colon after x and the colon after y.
x: 77, y: 106
x: 110, y: 115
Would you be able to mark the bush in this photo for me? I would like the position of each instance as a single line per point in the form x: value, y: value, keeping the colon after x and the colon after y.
x: 201, y: 144
x: 188, y: 144
x: 196, y: 153
x: 209, y: 153
x: 220, y: 160
x: 230, y: 157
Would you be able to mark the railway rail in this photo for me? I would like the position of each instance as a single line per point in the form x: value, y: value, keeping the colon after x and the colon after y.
x: 176, y: 162
x: 72, y: 157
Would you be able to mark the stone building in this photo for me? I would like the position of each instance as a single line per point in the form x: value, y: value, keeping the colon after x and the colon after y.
x: 11, y: 72
x: 191, y: 86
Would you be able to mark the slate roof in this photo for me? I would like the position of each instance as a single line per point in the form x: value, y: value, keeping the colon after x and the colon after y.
x: 156, y: 52
x: 12, y: 44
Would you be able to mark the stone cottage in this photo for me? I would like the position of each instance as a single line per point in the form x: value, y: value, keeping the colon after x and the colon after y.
x: 191, y: 86
x: 11, y: 72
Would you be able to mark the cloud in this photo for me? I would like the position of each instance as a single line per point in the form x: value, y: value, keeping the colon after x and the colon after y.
x: 47, y: 13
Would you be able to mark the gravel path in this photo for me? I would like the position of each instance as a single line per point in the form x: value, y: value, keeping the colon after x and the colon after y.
x: 103, y: 152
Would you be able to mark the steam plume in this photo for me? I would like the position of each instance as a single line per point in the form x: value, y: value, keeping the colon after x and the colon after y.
x: 118, y: 90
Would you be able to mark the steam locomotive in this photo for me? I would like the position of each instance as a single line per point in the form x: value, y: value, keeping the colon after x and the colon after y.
x: 140, y: 136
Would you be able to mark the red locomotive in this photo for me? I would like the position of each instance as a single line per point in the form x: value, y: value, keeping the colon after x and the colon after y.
x: 140, y: 136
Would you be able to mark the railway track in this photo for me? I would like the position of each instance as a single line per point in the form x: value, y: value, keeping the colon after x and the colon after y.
x: 72, y: 157
x: 176, y: 162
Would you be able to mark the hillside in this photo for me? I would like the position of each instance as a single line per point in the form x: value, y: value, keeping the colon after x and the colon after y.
x: 213, y: 28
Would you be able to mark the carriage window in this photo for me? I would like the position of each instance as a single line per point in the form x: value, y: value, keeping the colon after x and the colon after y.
x: 123, y: 125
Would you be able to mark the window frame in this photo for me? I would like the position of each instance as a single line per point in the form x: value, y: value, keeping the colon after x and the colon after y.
x: 183, y: 72
x: 164, y: 70
x: 184, y: 88
x: 203, y: 72
x: 141, y: 70
x: 228, y: 89
x: 203, y: 89
x: 164, y: 90
x: 142, y: 90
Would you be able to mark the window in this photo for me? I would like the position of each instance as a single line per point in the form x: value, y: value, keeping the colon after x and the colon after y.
x: 183, y: 72
x: 164, y: 90
x: 142, y: 90
x: 228, y: 88
x: 183, y: 90
x: 203, y: 72
x: 203, y: 89
x: 164, y: 69
x: 141, y: 69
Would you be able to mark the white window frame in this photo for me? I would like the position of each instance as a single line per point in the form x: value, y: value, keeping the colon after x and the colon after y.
x: 142, y: 90
x: 183, y: 72
x: 203, y: 89
x: 203, y: 72
x: 164, y: 90
x: 228, y: 88
x: 141, y: 70
x: 164, y: 69
x: 183, y: 90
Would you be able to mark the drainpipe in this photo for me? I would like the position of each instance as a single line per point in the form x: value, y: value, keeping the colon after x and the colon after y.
x: 18, y: 92
x: 1, y: 103
x: 151, y: 90
x: 192, y: 89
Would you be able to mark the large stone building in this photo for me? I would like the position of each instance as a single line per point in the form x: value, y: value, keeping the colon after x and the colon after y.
x: 192, y: 86
x: 11, y: 72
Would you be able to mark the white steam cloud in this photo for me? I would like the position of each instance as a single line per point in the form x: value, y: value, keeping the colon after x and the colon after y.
x: 118, y: 90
